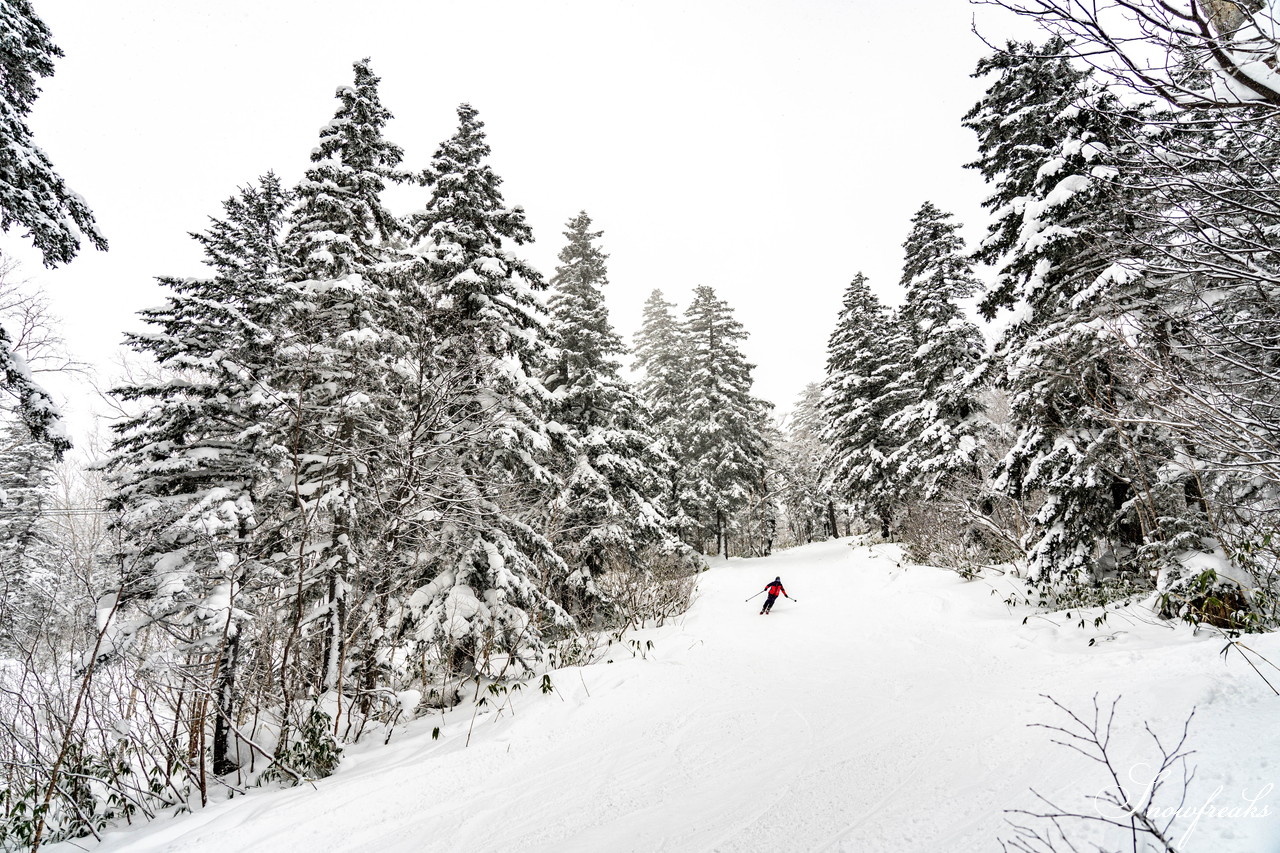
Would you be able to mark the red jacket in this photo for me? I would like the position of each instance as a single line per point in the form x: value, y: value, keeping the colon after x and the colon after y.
x: 776, y: 589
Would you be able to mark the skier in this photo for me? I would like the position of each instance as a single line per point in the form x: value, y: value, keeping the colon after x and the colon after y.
x: 774, y: 588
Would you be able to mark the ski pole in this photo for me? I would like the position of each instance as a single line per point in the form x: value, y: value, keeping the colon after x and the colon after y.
x: 758, y: 593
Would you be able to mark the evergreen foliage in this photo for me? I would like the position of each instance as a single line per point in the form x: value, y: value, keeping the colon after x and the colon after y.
x: 192, y: 470
x: 1039, y: 89
x: 340, y: 224
x: 723, y: 443
x: 661, y: 354
x: 1063, y: 214
x: 864, y: 359
x: 939, y: 422
x: 808, y: 501
x: 336, y: 367
x: 33, y: 196
x: 487, y: 599
x: 604, y: 514
x: 30, y: 570
x: 662, y: 358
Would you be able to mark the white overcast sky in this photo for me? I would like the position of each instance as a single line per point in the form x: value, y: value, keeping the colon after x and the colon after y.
x: 767, y: 148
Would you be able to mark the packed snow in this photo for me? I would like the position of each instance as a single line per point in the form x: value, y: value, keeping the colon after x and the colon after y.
x: 886, y: 708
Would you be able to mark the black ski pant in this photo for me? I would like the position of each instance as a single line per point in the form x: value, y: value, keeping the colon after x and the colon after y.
x: 768, y: 603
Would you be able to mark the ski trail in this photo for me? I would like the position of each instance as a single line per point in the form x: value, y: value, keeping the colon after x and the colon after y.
x: 886, y: 710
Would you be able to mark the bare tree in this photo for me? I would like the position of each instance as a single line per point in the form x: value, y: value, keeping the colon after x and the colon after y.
x: 1145, y: 43
x: 1143, y: 813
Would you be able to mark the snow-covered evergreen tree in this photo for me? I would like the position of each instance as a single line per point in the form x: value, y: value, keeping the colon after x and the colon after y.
x: 661, y: 354
x: 33, y: 196
x: 486, y: 573
x: 1053, y: 142
x: 939, y: 423
x: 29, y: 565
x: 724, y: 445
x: 1020, y: 123
x: 340, y: 225
x: 804, y: 490
x: 336, y: 366
x: 604, y: 515
x: 662, y: 358
x: 865, y: 356
x: 191, y: 469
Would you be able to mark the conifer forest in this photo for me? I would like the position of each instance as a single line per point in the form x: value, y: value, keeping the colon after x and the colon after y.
x: 374, y: 464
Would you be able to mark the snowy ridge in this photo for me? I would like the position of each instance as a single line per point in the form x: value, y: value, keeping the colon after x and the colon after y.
x: 886, y: 709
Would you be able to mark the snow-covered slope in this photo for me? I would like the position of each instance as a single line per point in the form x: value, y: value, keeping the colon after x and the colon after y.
x: 886, y: 709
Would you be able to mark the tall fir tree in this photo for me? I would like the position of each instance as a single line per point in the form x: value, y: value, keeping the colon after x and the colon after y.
x: 338, y: 376
x: 939, y: 424
x: 604, y: 514
x: 661, y: 355
x: 864, y: 359
x: 724, y: 442
x: 1059, y: 245
x: 484, y: 597
x: 662, y: 359
x: 191, y: 471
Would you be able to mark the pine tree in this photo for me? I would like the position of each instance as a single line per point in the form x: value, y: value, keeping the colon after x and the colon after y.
x: 486, y: 597
x: 191, y: 471
x: 338, y: 362
x: 1058, y: 243
x: 662, y: 358
x: 340, y: 225
x: 32, y: 195
x: 604, y: 515
x: 939, y: 425
x: 1040, y: 89
x: 661, y: 355
x: 585, y: 376
x: 724, y: 446
x: 809, y: 503
x: 863, y: 360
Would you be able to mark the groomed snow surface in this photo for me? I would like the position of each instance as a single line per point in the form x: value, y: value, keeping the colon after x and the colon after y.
x: 887, y: 709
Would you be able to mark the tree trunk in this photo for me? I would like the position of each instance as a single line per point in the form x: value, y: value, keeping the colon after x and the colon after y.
x: 831, y: 519
x: 339, y: 570
x: 1227, y: 16
x: 335, y: 638
x: 224, y: 694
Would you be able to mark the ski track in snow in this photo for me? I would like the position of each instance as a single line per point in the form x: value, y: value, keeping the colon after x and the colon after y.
x: 888, y: 709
